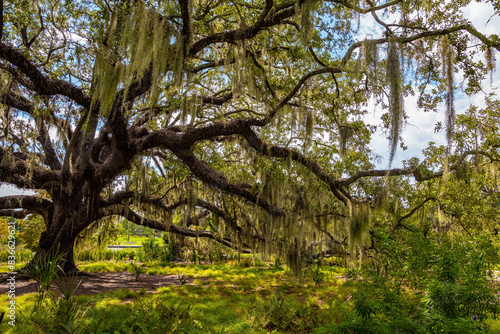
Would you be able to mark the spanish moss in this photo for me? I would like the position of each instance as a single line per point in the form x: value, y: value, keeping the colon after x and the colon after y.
x: 396, y: 98
x: 447, y: 60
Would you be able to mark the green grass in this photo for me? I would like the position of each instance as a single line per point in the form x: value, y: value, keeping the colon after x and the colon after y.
x: 223, y: 304
x: 103, y: 267
x: 226, y: 298
x: 133, y: 240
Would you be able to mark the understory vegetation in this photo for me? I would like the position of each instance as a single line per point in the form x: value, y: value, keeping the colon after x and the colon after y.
x: 428, y: 285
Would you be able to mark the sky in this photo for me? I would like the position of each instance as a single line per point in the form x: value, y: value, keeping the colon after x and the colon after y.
x: 419, y: 130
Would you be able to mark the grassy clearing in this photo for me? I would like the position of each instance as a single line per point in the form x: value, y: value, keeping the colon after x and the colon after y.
x: 132, y: 240
x: 227, y: 299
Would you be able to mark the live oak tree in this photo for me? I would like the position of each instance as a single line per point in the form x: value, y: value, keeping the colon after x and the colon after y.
x: 246, y: 118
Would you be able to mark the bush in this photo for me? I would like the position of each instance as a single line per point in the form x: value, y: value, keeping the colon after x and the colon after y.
x: 452, y: 280
x: 120, y: 255
x: 168, y: 252
x: 459, y: 291
x: 22, y: 255
x: 153, y: 251
x: 245, y: 262
x: 30, y: 231
x: 195, y: 257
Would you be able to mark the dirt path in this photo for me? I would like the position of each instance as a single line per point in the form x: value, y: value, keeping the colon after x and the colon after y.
x: 103, y: 282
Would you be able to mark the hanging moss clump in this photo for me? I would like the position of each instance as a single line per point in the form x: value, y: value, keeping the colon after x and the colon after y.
x: 306, y: 20
x: 447, y: 60
x: 461, y: 170
x: 396, y: 107
x: 138, y: 41
x: 381, y: 199
x: 490, y: 61
x: 359, y: 222
x: 370, y: 60
x: 5, y: 83
x: 309, y: 129
x: 443, y: 222
x: 345, y: 134
x: 294, y: 257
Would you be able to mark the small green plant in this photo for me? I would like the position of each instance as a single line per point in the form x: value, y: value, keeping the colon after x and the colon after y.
x: 331, y: 270
x: 140, y: 256
x: 137, y: 270
x: 155, y: 316
x: 364, y: 306
x: 68, y: 284
x: 44, y: 270
x: 317, y: 275
x: 64, y: 312
x: 182, y: 279
x: 67, y: 310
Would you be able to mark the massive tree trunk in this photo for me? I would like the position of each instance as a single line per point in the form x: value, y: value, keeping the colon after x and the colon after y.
x: 52, y: 244
x: 67, y: 219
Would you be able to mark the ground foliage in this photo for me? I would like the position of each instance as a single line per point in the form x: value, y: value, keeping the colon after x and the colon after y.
x: 232, y: 298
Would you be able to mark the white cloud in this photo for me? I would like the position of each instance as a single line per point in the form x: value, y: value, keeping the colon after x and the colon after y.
x: 482, y: 17
x: 9, y: 190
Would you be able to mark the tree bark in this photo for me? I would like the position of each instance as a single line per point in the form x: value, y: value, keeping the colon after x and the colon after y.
x: 50, y: 247
x: 64, y: 224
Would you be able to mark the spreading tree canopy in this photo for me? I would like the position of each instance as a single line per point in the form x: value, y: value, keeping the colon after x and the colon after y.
x: 245, y: 117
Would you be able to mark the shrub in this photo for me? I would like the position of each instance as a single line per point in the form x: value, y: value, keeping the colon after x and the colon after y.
x: 22, y: 255
x: 95, y: 255
x: 452, y: 279
x: 155, y: 316
x: 246, y: 262
x: 151, y: 249
x: 120, y: 255
x: 168, y: 252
